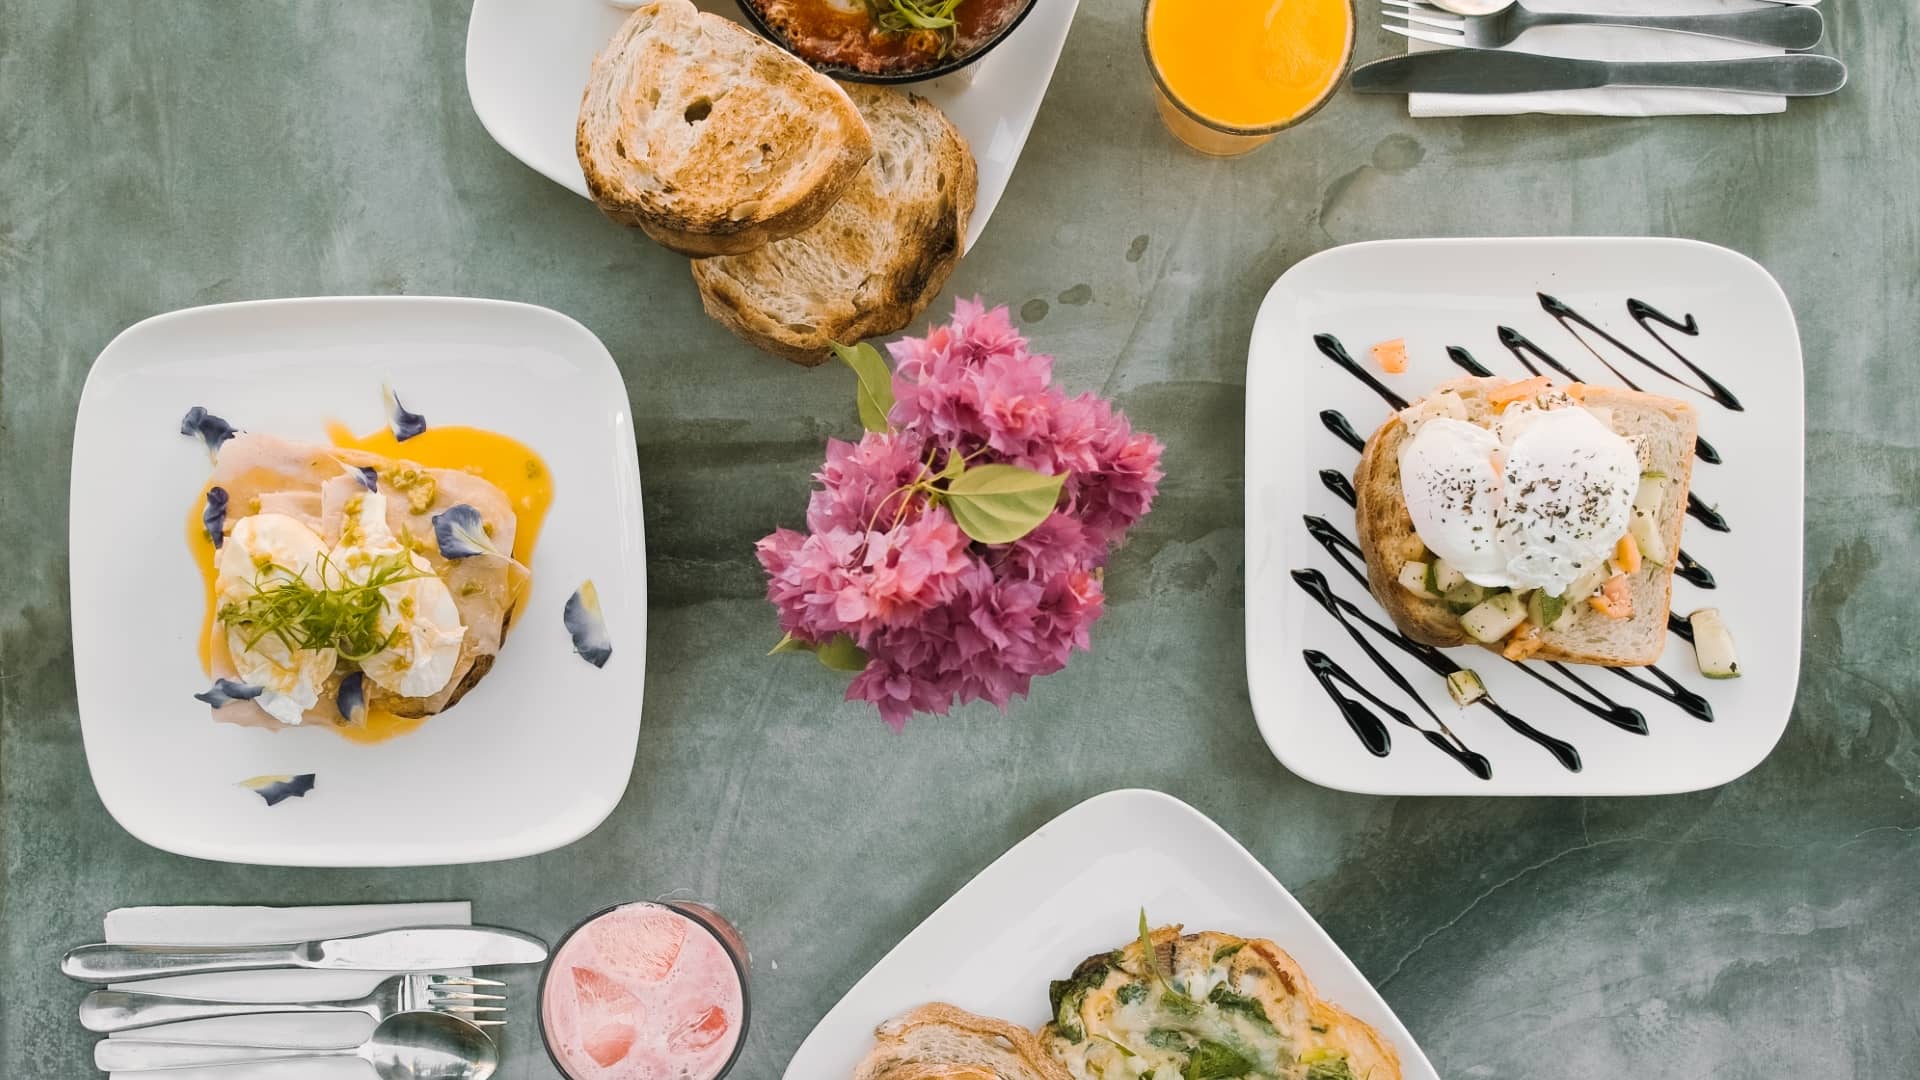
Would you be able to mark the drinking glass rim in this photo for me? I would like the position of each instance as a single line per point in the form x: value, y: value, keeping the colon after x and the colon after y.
x: 1153, y: 69
x: 692, y: 912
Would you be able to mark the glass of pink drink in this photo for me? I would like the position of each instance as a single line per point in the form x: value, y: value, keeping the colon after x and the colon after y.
x: 646, y: 991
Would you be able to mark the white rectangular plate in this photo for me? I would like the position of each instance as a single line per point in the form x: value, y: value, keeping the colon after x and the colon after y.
x: 1075, y: 888
x: 1460, y: 293
x: 527, y: 63
x: 533, y: 758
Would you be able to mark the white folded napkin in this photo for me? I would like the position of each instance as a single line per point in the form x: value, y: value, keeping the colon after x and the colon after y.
x: 1615, y: 43
x: 261, y: 926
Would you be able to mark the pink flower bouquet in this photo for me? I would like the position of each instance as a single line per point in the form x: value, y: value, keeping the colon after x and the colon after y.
x: 956, y: 551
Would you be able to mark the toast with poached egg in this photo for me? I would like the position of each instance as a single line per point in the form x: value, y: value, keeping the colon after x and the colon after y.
x: 1540, y: 522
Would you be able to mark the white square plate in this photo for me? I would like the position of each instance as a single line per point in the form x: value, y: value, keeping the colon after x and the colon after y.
x: 1075, y: 888
x: 1459, y: 293
x: 533, y: 758
x: 527, y: 64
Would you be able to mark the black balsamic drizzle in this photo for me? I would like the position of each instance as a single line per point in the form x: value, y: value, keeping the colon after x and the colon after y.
x: 1670, y: 688
x: 1706, y: 515
x: 1337, y: 482
x: 1625, y: 717
x: 1342, y: 430
x: 1316, y: 586
x: 1336, y: 352
x: 1521, y: 347
x: 1465, y: 359
x: 1688, y: 569
x: 1642, y: 313
x: 1679, y: 627
x: 1373, y: 734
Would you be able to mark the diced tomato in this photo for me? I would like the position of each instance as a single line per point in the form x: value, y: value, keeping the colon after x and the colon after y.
x: 1615, y: 598
x: 1391, y: 356
x: 1524, y: 642
x: 1518, y: 391
x: 1577, y: 391
x: 1626, y: 555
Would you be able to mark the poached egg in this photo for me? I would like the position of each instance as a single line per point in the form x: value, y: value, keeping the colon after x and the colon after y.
x: 1533, y: 502
x: 420, y: 620
x: 263, y: 549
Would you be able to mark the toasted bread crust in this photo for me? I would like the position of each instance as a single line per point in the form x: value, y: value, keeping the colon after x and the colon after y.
x: 941, y: 1042
x: 900, y: 246
x: 692, y: 190
x: 1382, y: 526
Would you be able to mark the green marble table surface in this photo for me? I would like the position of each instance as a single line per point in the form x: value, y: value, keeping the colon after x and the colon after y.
x: 160, y: 155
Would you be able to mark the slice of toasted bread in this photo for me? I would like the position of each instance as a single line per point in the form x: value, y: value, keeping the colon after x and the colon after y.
x: 940, y: 1042
x: 1663, y: 432
x: 1207, y: 997
x: 710, y: 138
x: 877, y: 259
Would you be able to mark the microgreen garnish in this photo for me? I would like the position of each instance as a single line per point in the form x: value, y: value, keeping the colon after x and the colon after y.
x: 1225, y: 952
x: 277, y: 789
x: 225, y: 692
x: 1216, y: 1061
x: 587, y: 626
x: 212, y: 430
x: 214, y: 517
x: 907, y: 16
x: 405, y: 424
x: 1116, y: 1044
x: 341, y: 613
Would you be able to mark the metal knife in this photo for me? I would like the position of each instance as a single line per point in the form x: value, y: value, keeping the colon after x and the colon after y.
x: 1479, y: 71
x: 424, y: 948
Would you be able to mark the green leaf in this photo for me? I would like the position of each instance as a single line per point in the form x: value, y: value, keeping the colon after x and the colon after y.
x: 875, y: 392
x: 1216, y: 1061
x: 841, y: 654
x: 1131, y: 993
x: 789, y: 643
x: 955, y: 466
x: 998, y: 504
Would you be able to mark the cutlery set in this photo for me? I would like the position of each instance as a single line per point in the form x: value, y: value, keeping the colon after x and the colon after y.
x: 429, y: 1025
x: 1474, y: 62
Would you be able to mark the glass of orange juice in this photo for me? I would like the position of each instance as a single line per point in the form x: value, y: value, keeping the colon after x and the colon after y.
x: 1229, y: 74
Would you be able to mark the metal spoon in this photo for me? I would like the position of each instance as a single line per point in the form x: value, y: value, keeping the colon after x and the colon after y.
x: 405, y: 1046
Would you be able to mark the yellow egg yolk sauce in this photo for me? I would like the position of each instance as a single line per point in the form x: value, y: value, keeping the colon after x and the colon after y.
x: 507, y: 463
x: 1250, y: 63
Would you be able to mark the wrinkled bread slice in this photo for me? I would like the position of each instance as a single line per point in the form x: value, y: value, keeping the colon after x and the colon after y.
x: 710, y: 138
x: 878, y: 257
x: 941, y: 1042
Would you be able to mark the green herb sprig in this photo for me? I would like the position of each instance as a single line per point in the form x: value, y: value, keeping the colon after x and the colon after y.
x: 339, y: 613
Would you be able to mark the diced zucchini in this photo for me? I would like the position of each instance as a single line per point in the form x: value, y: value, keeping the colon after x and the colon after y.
x: 1651, y: 494
x: 1645, y: 531
x: 1494, y: 618
x: 1433, y: 583
x: 1549, y: 612
x: 1445, y: 577
x: 1465, y: 686
x: 1713, y: 645
x: 1413, y: 578
x: 1587, y: 583
x: 1466, y: 596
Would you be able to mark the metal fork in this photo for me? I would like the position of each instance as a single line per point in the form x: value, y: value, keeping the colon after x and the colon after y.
x: 1779, y: 27
x: 120, y: 1010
